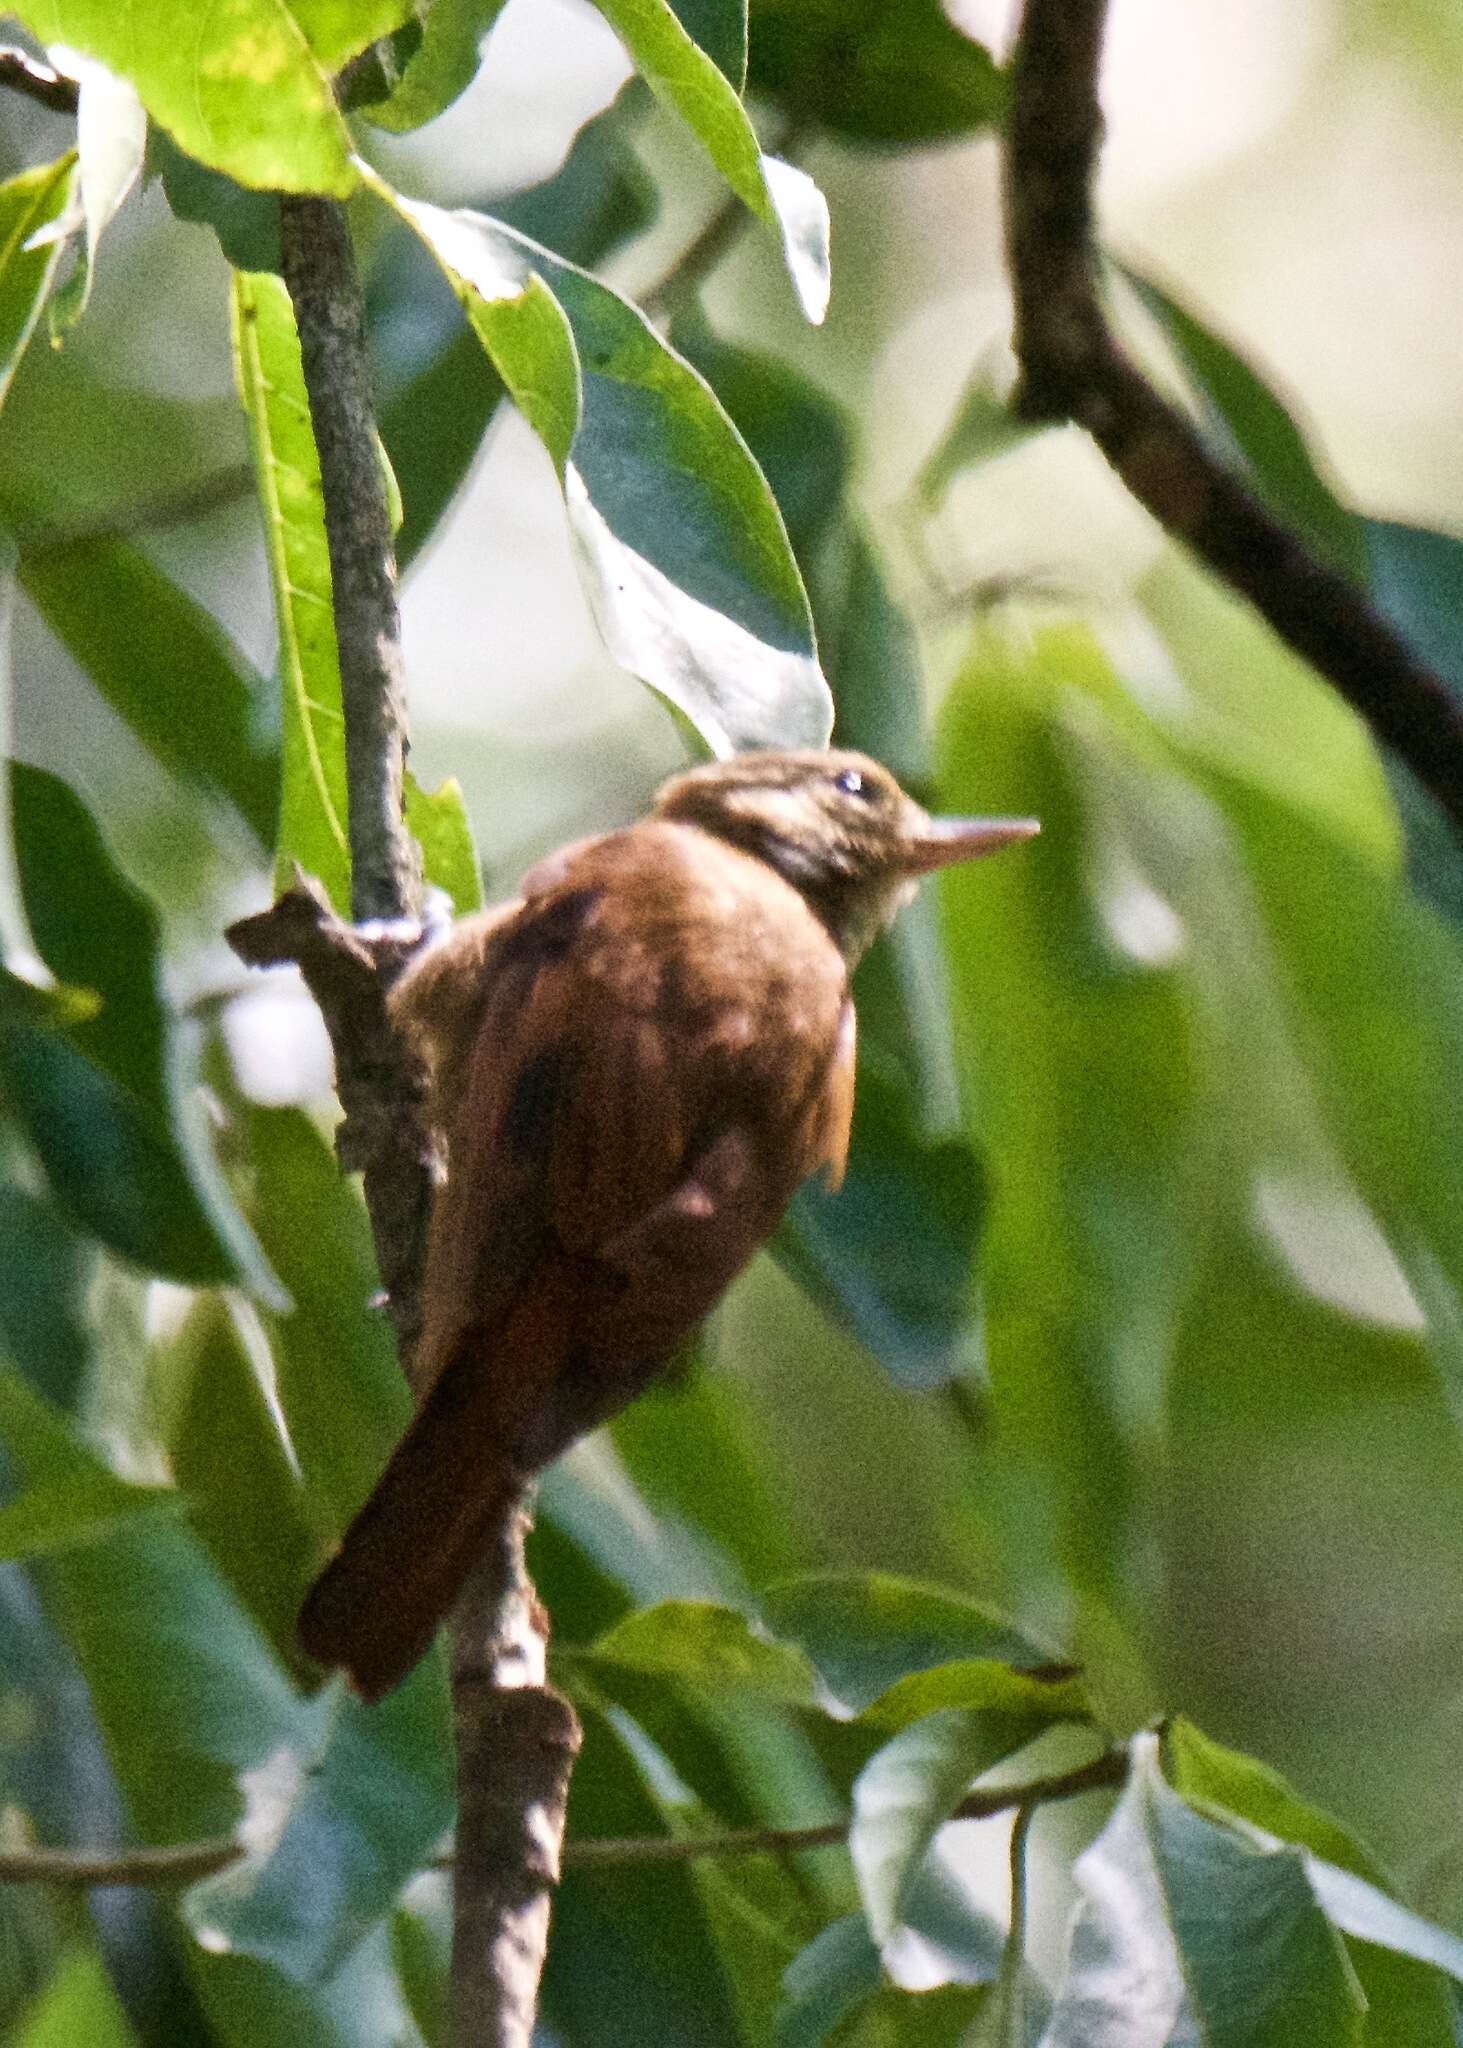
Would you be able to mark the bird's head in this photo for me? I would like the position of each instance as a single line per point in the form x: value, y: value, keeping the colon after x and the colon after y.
x: 836, y: 826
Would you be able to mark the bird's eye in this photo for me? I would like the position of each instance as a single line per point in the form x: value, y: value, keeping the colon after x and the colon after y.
x: 852, y: 783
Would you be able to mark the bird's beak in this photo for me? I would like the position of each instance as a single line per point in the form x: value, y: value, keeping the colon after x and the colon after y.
x: 937, y: 842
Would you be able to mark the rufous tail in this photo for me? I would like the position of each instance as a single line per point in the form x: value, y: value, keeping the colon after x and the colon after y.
x: 377, y: 1604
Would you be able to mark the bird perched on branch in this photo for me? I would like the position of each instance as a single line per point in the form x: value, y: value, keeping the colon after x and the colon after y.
x: 631, y: 1068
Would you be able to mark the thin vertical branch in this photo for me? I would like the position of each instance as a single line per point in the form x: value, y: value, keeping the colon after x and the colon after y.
x: 516, y: 1738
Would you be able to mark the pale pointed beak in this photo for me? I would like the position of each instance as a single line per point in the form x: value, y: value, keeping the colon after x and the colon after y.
x: 941, y: 841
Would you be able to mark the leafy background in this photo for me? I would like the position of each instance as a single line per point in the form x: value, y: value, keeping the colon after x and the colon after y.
x: 1134, y: 1339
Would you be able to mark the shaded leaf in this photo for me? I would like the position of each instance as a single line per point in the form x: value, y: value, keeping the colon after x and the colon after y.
x: 865, y: 1630
x: 103, y: 1104
x: 712, y: 1648
x: 1046, y: 1694
x: 246, y: 222
x: 28, y: 203
x: 899, y: 72
x: 835, y: 1973
x: 369, y: 1814
x: 684, y: 557
x: 442, y: 65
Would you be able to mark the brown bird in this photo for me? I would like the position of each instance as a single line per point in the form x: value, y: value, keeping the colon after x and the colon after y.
x: 632, y: 1067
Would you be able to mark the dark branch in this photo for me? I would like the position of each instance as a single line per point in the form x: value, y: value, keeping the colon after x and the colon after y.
x: 320, y: 271
x: 1072, y: 368
x: 26, y: 74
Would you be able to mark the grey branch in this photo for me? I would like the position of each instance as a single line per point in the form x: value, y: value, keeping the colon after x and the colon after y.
x: 320, y: 272
x: 1072, y: 368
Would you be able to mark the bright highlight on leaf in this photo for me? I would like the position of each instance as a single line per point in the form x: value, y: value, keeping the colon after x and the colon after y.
x: 683, y: 554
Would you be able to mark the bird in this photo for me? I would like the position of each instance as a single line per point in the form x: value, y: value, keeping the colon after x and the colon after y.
x: 630, y: 1069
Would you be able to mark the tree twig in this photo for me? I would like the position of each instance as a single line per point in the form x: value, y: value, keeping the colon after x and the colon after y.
x: 320, y: 271
x: 182, y: 1862
x: 22, y: 73
x: 1072, y: 368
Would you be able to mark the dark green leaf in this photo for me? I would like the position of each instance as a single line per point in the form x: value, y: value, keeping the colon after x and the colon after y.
x: 102, y: 1105
x: 711, y: 1648
x: 720, y: 28
x: 246, y: 222
x: 685, y: 558
x: 836, y: 1972
x: 865, y: 1630
x: 871, y: 655
x: 891, y: 1253
x: 46, y: 1267
x: 441, y: 66
x: 440, y: 390
x: 368, y: 1816
x: 682, y: 74
x: 895, y: 71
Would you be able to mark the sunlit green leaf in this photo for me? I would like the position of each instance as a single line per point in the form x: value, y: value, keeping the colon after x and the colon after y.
x: 710, y: 1647
x: 79, y: 2004
x: 246, y: 89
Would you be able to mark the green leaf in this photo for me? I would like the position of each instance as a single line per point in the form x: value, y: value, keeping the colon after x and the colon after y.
x: 1411, y: 2003
x: 111, y: 137
x: 890, y: 1255
x: 837, y: 1971
x: 982, y: 427
x: 684, y: 556
x: 28, y: 203
x: 104, y: 1105
x: 166, y: 667
x: 46, y: 1270
x: 246, y: 89
x: 865, y: 1630
x: 246, y: 223
x: 1047, y: 1694
x: 898, y: 72
x: 78, y: 2004
x: 443, y: 65
x: 682, y: 75
x: 437, y: 820
x: 712, y: 1648
x: 440, y: 390
x: 1184, y: 1919
x: 910, y: 1788
x: 1259, y: 433
x: 369, y: 1814
x: 312, y: 805
x: 50, y: 1518
x: 337, y: 1380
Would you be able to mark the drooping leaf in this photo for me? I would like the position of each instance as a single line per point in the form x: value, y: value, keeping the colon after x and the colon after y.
x: 439, y: 390
x: 685, y: 560
x: 28, y: 203
x: 443, y: 64
x: 111, y: 136
x: 246, y: 89
x: 899, y: 72
x: 682, y: 74
x: 1205, y: 1936
x: 103, y: 1102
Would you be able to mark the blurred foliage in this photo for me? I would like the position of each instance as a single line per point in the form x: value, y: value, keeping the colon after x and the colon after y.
x: 1110, y: 1409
